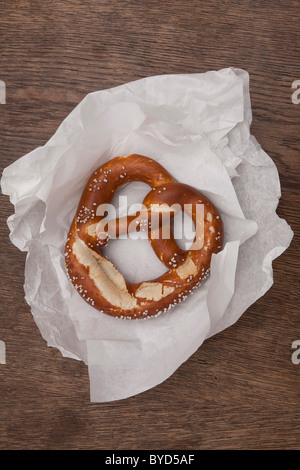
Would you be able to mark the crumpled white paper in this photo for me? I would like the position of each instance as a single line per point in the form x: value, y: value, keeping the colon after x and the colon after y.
x: 198, y: 127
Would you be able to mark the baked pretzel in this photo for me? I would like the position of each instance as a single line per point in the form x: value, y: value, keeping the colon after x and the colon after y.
x: 96, y: 278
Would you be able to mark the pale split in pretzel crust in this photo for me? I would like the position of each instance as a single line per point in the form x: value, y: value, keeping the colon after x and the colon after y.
x: 96, y: 278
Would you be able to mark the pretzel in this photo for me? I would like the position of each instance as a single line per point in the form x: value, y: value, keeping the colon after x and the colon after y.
x: 97, y: 279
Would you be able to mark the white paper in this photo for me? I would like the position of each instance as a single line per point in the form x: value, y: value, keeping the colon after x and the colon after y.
x: 198, y: 127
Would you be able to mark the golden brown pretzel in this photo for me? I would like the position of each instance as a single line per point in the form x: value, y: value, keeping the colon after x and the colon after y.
x: 96, y: 278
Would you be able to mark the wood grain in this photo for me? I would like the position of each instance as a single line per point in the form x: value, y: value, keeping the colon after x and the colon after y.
x: 240, y: 390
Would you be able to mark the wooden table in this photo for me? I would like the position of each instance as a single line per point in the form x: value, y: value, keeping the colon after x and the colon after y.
x: 240, y: 390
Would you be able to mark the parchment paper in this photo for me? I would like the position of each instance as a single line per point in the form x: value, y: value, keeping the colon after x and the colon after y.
x: 198, y: 127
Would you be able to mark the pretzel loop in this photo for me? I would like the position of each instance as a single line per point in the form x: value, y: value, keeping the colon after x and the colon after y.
x: 96, y: 278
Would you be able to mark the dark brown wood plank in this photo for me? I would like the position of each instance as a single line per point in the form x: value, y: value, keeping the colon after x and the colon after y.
x: 240, y: 389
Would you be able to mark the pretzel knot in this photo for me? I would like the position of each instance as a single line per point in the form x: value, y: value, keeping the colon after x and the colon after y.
x: 97, y: 279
